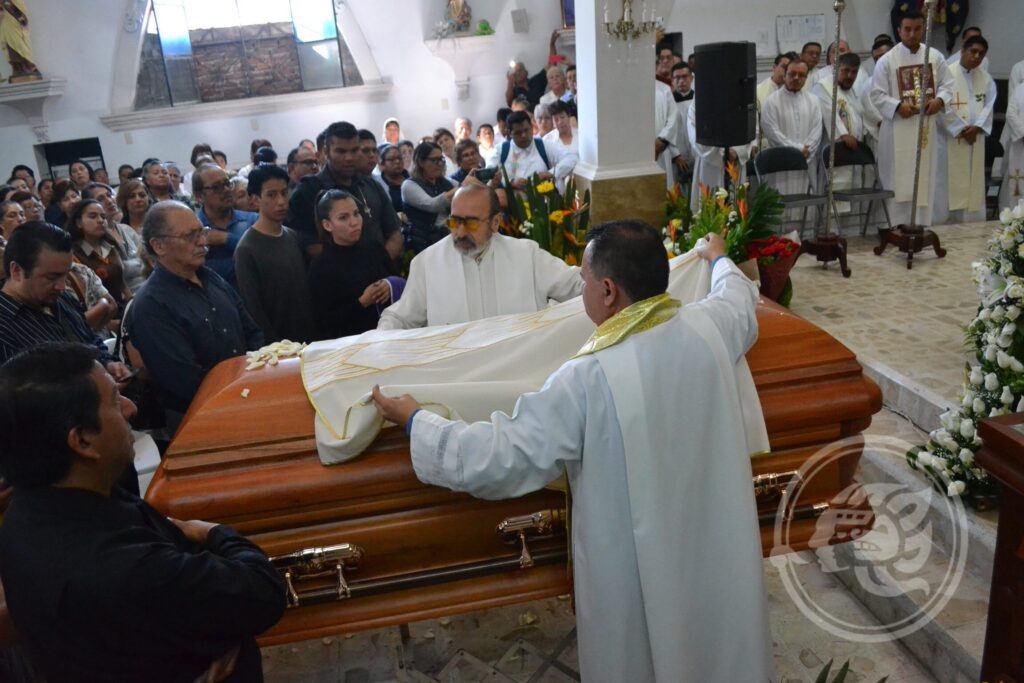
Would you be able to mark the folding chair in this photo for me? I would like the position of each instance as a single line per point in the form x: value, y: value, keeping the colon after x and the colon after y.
x: 781, y: 160
x: 864, y: 158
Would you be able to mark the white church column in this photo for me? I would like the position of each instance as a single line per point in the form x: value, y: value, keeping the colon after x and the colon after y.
x: 616, y: 119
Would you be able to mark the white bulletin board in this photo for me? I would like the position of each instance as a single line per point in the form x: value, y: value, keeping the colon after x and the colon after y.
x: 795, y: 30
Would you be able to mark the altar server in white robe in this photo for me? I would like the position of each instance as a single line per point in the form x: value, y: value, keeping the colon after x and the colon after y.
x: 668, y: 123
x: 960, y: 190
x: 792, y: 118
x: 1012, y: 190
x: 709, y: 162
x: 666, y: 548
x: 897, y: 141
x: 851, y: 123
x: 476, y: 273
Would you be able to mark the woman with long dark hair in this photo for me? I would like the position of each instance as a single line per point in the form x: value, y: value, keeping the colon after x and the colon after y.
x: 427, y: 197
x: 134, y: 202
x: 93, y: 247
x: 349, y: 281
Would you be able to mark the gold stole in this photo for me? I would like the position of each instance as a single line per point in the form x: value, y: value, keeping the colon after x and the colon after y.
x: 638, y: 317
x: 966, y: 162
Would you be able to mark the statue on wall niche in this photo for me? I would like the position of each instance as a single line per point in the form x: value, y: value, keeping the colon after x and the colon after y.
x: 14, y: 39
x: 459, y: 15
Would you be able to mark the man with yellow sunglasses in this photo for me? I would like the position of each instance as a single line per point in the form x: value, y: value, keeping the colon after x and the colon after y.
x: 476, y: 273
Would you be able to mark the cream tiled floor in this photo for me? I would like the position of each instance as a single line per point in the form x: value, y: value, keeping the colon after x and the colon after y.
x: 910, y: 320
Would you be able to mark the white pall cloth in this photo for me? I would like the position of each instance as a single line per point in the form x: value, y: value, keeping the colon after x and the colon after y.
x: 468, y: 370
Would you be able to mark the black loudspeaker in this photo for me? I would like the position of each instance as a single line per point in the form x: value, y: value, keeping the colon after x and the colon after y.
x: 726, y: 98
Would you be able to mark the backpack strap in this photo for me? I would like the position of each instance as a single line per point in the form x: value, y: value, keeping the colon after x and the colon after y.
x: 539, y: 144
x: 505, y: 146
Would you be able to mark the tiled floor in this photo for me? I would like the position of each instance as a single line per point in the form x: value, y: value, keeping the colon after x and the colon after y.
x: 910, y: 320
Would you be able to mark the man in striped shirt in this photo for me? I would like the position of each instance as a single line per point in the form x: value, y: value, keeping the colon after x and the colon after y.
x: 33, y: 306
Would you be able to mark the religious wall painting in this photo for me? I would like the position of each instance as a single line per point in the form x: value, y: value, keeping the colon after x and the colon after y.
x: 568, y: 13
x: 16, y: 42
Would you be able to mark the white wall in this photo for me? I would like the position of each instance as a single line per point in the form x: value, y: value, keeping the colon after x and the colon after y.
x: 423, y: 96
x: 77, y: 41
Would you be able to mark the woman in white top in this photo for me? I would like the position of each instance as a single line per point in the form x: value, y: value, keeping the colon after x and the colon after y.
x: 564, y: 139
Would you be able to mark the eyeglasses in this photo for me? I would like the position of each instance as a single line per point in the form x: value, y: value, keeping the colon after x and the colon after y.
x: 217, y: 187
x: 471, y: 224
x: 435, y: 160
x: 307, y: 162
x: 194, y: 236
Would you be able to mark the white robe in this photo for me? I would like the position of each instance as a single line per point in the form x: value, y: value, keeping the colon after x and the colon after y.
x: 1016, y: 77
x: 851, y: 120
x: 764, y: 89
x: 1012, y: 190
x: 897, y: 141
x: 666, y: 549
x: 709, y: 166
x: 793, y: 119
x: 960, y: 180
x: 685, y: 141
x: 668, y: 125
x: 511, y: 276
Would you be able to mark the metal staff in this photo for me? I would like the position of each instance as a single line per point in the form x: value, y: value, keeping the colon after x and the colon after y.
x: 925, y: 70
x: 838, y: 6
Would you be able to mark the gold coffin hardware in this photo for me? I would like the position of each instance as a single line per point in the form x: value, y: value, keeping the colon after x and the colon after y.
x: 543, y: 524
x: 770, y: 487
x: 319, y: 561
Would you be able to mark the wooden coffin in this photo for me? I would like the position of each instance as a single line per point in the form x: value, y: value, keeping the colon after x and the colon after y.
x: 400, y: 551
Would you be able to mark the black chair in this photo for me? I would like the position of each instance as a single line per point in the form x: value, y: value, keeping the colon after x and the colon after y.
x: 785, y: 159
x: 865, y: 159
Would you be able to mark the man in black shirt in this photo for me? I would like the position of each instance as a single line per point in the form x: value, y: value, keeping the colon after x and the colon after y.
x: 341, y: 148
x: 100, y: 586
x: 186, y: 318
x: 33, y: 306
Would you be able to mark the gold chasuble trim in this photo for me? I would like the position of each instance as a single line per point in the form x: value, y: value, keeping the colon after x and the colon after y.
x: 635, y: 318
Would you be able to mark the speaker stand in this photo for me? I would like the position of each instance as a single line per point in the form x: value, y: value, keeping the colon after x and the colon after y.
x: 909, y: 239
x: 827, y: 248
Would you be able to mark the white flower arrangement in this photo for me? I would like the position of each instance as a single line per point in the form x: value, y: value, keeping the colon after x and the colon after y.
x: 994, y: 383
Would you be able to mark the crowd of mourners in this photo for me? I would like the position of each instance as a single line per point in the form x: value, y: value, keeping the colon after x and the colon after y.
x: 120, y: 294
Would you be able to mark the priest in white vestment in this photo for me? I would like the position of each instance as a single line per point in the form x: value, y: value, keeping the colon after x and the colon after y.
x: 792, y: 118
x: 668, y: 124
x: 1012, y: 190
x: 709, y: 162
x: 666, y: 546
x: 967, y: 34
x: 967, y: 122
x: 477, y: 273
x: 894, y: 91
x: 851, y: 123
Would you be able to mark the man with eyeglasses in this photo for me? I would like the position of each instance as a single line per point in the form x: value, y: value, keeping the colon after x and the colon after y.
x: 301, y: 163
x: 211, y: 187
x: 476, y: 273
x: 186, y: 318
